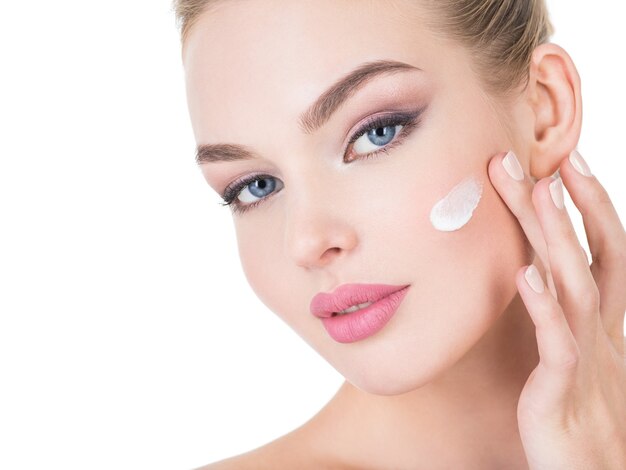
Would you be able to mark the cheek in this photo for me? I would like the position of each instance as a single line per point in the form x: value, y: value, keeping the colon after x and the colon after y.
x: 461, y: 280
x: 274, y: 278
x: 463, y: 231
x: 260, y: 250
x: 466, y: 247
x: 457, y: 207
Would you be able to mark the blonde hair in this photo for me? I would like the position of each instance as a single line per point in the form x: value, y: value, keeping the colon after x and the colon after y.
x: 500, y: 34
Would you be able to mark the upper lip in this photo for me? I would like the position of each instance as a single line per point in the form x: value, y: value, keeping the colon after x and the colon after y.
x: 323, y: 305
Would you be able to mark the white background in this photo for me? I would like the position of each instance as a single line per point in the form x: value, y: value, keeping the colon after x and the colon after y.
x: 129, y: 338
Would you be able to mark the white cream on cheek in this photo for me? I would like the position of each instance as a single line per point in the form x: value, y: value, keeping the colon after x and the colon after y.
x: 456, y: 208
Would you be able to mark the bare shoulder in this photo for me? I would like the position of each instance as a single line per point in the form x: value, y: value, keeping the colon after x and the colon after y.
x: 242, y: 461
x: 226, y: 464
x: 290, y: 451
x: 312, y: 446
x: 261, y: 458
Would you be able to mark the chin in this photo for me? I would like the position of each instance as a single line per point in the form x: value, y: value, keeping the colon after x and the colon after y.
x: 388, y: 381
x: 395, y: 386
x: 408, y: 367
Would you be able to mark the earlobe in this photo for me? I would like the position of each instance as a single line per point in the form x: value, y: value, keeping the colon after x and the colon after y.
x: 554, y: 95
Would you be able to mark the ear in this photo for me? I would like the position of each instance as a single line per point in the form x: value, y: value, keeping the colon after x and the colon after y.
x: 555, y: 98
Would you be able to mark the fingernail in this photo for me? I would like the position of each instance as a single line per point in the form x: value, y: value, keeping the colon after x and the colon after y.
x: 534, y: 279
x: 512, y: 166
x: 556, y: 191
x: 579, y: 163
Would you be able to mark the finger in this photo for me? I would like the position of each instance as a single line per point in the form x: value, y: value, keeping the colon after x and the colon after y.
x: 577, y: 291
x: 515, y: 188
x: 606, y: 237
x: 559, y: 353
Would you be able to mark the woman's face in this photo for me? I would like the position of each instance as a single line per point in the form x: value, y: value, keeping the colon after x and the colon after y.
x: 329, y: 216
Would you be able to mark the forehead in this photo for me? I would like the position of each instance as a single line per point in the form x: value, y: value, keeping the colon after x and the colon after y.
x: 276, y: 56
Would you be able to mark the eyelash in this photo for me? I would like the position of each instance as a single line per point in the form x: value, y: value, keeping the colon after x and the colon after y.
x: 408, y: 121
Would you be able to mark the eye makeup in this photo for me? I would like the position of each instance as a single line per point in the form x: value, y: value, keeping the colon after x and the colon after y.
x: 455, y: 209
x: 408, y: 121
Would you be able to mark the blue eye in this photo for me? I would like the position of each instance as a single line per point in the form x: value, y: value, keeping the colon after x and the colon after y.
x: 258, y: 186
x: 367, y: 144
x: 387, y: 131
x: 379, y: 131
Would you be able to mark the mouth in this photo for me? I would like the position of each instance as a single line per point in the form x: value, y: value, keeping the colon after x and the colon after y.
x: 354, y: 324
x: 355, y: 312
x: 350, y: 298
x: 354, y: 308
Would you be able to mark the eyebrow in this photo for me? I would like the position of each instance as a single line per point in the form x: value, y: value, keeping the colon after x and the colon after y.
x: 317, y: 114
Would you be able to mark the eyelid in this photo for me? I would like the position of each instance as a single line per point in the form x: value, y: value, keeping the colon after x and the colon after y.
x: 374, y: 119
x: 408, y: 120
x: 411, y: 120
x: 235, y: 186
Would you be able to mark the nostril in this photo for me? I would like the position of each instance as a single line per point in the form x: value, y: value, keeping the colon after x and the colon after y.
x: 329, y: 254
x: 318, y: 243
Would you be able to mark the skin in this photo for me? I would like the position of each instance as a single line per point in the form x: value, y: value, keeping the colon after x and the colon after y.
x: 439, y: 386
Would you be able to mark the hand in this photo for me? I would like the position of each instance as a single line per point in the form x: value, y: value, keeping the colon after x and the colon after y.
x: 572, y: 411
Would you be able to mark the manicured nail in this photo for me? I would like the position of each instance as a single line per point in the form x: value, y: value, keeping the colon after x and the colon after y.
x: 579, y: 163
x: 512, y: 166
x: 556, y: 191
x: 534, y: 279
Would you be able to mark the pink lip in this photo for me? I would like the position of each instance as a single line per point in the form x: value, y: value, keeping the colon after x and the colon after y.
x: 361, y: 323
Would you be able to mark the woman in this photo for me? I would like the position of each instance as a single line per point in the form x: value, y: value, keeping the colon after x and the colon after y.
x: 391, y: 164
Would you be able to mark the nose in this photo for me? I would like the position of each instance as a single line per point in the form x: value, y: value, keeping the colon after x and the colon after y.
x: 317, y: 234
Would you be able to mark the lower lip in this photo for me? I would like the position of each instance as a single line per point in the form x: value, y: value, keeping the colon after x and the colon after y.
x: 363, y: 323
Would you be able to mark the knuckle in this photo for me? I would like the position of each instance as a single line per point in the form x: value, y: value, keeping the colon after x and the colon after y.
x: 596, y: 198
x: 567, y: 358
x: 571, y: 358
x: 549, y: 315
x: 564, y: 360
x: 600, y: 196
x: 589, y: 299
x: 568, y: 235
x: 612, y: 257
x: 520, y: 204
x: 620, y: 255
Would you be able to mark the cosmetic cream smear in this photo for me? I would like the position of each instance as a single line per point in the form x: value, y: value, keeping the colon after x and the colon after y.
x: 456, y: 209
